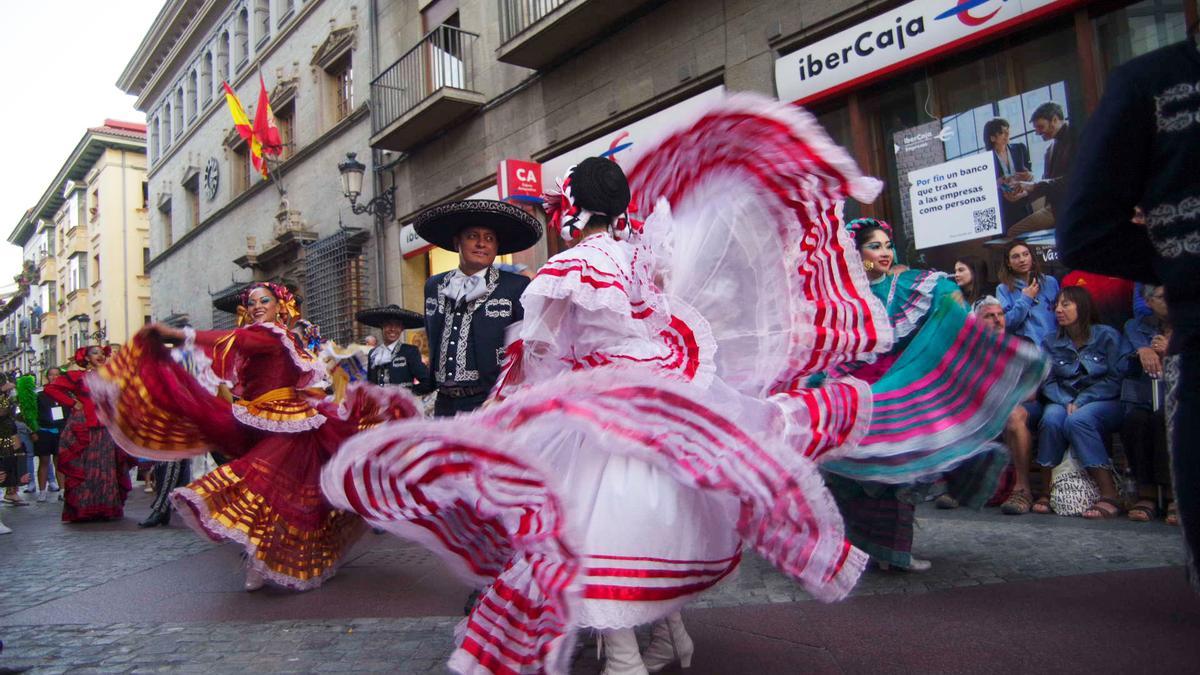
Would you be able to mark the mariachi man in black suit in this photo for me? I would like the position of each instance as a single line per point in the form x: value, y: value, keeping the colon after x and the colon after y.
x: 394, y: 362
x: 468, y: 309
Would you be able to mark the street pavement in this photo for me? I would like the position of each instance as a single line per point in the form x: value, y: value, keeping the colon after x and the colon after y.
x: 1005, y: 593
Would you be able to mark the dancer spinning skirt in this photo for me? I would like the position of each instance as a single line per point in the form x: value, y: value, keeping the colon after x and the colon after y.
x: 92, y: 470
x: 278, y: 429
x: 655, y: 417
x: 934, y: 335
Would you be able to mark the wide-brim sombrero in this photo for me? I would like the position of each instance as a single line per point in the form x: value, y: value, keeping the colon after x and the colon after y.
x: 377, y: 316
x: 515, y: 229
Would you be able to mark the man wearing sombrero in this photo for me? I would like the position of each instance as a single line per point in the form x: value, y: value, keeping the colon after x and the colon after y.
x: 468, y: 309
x: 393, y: 362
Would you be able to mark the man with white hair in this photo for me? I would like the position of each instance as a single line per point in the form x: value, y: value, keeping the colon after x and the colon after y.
x: 1017, y: 435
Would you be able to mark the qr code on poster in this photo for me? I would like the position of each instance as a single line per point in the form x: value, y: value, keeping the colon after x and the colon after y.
x: 985, y: 221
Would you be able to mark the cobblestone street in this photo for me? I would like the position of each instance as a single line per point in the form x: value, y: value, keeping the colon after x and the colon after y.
x: 112, y: 598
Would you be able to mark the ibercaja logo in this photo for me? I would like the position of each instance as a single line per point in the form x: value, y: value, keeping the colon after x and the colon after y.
x: 962, y: 11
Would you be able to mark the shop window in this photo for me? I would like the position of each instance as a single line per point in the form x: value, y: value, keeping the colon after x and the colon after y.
x: 1138, y: 29
x: 936, y: 118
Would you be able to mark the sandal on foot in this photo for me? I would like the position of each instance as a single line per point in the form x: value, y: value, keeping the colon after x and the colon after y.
x: 1017, y: 504
x: 1098, y: 512
x: 1172, y: 514
x: 1143, y: 511
x: 1042, y: 505
x: 946, y: 502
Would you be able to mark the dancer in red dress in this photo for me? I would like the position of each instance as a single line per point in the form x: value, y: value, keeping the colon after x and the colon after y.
x: 278, y: 428
x: 93, y: 472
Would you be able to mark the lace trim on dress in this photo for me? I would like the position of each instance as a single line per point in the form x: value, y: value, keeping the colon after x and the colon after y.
x: 288, y: 427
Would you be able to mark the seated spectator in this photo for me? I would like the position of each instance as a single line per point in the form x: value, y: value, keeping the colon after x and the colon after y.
x: 1027, y: 294
x: 1144, y: 431
x: 1080, y: 399
x: 1017, y: 433
x: 970, y: 273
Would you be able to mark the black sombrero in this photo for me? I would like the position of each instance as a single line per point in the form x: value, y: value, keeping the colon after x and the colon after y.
x: 377, y: 316
x: 515, y: 229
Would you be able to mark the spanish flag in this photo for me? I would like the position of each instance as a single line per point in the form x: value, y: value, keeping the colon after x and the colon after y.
x: 264, y: 122
x: 242, y: 124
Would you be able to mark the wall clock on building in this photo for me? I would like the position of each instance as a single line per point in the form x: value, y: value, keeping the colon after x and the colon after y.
x: 212, y: 178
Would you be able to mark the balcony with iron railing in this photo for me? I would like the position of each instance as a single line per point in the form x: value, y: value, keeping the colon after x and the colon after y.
x: 536, y: 33
x: 429, y: 88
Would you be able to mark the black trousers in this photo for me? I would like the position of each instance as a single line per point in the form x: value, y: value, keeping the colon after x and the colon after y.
x: 1144, y: 437
x: 167, y: 477
x: 445, y: 406
x: 1183, y: 425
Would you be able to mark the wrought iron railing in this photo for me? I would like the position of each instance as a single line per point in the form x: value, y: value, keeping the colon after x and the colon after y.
x: 443, y: 58
x: 517, y: 15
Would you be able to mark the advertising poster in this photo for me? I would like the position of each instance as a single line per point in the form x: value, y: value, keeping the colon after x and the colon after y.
x: 954, y: 201
x: 1012, y: 169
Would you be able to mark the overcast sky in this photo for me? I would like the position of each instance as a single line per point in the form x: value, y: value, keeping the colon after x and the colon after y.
x: 61, y: 62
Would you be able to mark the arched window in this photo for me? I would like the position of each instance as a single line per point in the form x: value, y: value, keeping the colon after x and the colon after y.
x: 262, y: 21
x: 154, y: 150
x: 206, y: 81
x: 241, y: 33
x: 223, y: 56
x: 166, y: 122
x: 193, y: 99
x: 178, y: 121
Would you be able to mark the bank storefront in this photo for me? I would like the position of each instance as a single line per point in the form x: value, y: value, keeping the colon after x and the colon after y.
x: 936, y: 98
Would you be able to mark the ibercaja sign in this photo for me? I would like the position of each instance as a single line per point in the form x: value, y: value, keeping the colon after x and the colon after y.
x: 905, y: 36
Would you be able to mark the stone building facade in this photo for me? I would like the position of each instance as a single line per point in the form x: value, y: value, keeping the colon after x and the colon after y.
x: 215, y: 223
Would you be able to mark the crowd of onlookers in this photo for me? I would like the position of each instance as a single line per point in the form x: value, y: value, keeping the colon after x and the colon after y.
x: 1095, y: 430
x: 30, y: 427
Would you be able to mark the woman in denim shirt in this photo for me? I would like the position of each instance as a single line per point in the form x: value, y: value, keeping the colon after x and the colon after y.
x: 1028, y: 295
x: 1081, y: 397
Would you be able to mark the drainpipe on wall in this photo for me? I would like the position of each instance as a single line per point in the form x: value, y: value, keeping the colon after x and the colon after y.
x: 124, y: 243
x: 376, y: 157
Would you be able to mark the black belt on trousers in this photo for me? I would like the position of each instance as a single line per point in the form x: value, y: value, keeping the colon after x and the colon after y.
x: 462, y: 392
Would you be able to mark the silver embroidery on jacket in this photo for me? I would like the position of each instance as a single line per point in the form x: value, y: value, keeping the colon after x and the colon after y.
x: 461, y: 374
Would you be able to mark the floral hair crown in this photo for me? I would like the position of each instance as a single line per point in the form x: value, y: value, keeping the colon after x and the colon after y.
x: 570, y: 218
x: 82, y: 352
x: 859, y: 223
x: 288, y: 309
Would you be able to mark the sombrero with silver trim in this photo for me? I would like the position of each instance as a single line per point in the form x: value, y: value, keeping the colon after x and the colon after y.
x: 377, y: 316
x: 515, y: 229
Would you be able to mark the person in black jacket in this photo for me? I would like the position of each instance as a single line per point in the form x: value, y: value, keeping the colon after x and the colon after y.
x: 1133, y: 211
x: 468, y: 309
x: 52, y: 417
x: 392, y: 362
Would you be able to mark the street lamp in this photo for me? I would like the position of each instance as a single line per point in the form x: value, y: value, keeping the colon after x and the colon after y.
x: 352, y: 179
x: 84, y: 321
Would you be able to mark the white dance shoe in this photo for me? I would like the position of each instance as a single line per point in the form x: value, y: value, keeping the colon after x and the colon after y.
x: 669, y: 643
x: 621, y: 655
x: 254, y: 580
